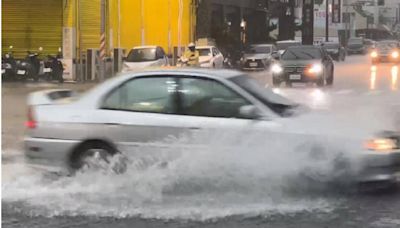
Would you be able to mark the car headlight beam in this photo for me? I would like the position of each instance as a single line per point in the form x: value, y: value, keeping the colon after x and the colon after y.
x: 315, y: 69
x: 381, y: 144
x: 276, y: 68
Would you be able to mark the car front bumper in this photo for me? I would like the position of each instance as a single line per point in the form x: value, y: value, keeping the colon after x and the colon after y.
x: 386, y: 58
x: 49, y: 154
x: 297, y: 77
x: 377, y: 166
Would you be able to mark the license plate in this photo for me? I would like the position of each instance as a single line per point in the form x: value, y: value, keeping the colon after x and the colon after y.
x: 295, y: 77
x: 253, y: 64
x: 46, y: 70
x: 3, y: 71
x: 20, y: 72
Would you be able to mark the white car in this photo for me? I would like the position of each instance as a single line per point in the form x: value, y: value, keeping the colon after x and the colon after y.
x: 146, y: 109
x: 145, y: 56
x: 284, y: 44
x: 210, y: 57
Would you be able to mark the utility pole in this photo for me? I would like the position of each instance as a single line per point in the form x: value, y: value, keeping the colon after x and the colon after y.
x: 326, y: 20
x: 102, y: 51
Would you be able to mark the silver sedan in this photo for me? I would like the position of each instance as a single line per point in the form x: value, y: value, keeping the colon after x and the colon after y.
x: 145, y: 108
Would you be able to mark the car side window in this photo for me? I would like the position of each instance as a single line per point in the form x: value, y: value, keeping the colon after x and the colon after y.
x: 148, y: 94
x: 160, y: 53
x: 206, y: 97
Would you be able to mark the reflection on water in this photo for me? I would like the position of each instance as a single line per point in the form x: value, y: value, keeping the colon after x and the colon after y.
x: 393, y: 80
x: 372, y: 80
x: 395, y: 74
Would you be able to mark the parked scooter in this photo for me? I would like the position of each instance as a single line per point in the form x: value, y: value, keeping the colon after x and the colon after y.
x: 29, y: 67
x: 53, y: 68
x: 8, y: 66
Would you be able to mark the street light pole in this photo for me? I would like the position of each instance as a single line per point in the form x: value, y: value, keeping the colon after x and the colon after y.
x: 326, y: 20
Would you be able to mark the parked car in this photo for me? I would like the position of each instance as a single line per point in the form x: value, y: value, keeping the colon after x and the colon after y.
x: 284, y: 44
x: 356, y: 46
x: 210, y: 57
x: 257, y: 56
x: 305, y: 63
x: 386, y: 51
x: 335, y: 50
x: 141, y: 109
x: 145, y: 56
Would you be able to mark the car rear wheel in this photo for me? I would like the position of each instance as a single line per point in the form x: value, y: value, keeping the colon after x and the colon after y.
x: 96, y: 155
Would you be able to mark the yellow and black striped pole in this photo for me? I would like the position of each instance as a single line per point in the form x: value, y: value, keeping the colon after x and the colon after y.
x: 102, y: 50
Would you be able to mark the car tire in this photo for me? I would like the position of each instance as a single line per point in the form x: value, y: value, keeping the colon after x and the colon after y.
x: 98, y: 150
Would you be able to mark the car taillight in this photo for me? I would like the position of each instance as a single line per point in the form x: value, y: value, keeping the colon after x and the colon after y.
x: 31, y: 122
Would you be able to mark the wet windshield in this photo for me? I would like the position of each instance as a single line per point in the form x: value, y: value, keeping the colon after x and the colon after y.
x: 142, y: 55
x: 331, y: 46
x: 285, y: 45
x: 254, y: 49
x: 301, y: 53
x: 204, y: 51
x: 275, y: 102
x: 355, y: 41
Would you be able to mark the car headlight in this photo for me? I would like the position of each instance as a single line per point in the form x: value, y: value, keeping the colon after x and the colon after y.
x: 315, y: 69
x: 374, y: 54
x: 395, y: 54
x: 381, y: 144
x: 276, y: 68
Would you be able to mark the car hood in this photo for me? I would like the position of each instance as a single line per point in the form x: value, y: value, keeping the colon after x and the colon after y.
x: 204, y: 59
x: 257, y: 56
x: 299, y: 62
x: 139, y: 65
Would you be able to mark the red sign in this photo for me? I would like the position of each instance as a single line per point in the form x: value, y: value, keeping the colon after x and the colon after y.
x: 336, y: 11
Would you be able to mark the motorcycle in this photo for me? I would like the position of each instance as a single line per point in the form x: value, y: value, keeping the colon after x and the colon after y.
x: 53, y: 69
x: 8, y: 66
x: 29, y: 67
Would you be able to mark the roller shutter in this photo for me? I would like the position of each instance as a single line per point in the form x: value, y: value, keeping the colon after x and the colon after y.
x: 89, y: 24
x: 28, y: 25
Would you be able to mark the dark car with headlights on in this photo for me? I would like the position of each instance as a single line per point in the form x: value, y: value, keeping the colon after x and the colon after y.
x: 356, y: 45
x: 257, y: 57
x: 386, y: 51
x: 335, y: 50
x: 303, y: 63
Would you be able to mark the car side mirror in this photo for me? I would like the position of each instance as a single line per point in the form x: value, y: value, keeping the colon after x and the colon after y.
x: 249, y: 112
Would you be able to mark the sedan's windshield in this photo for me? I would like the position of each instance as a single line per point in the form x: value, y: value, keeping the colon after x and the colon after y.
x: 204, y: 51
x: 275, y: 102
x: 142, y: 55
x: 285, y: 45
x: 331, y: 46
x: 254, y: 49
x: 355, y: 41
x: 301, y: 53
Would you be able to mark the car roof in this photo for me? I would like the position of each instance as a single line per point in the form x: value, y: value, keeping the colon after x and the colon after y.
x: 146, y: 46
x: 304, y: 46
x: 287, y: 41
x: 262, y: 45
x: 204, y: 46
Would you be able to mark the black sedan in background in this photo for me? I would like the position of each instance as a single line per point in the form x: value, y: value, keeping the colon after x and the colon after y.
x: 305, y: 63
x: 356, y: 45
x: 335, y: 50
